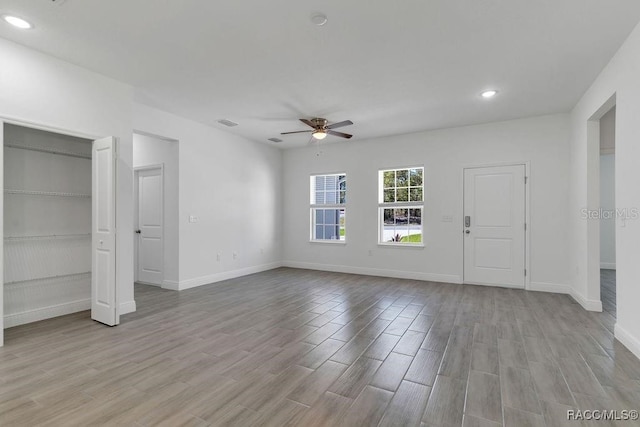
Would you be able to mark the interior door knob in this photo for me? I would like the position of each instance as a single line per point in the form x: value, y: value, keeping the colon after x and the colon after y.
x: 138, y: 231
x: 467, y: 231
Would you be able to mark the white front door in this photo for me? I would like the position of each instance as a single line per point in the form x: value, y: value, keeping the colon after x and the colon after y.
x: 494, y: 226
x: 103, y: 236
x: 150, y: 259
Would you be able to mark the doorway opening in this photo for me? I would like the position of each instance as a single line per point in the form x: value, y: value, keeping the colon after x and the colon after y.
x: 609, y: 212
x: 58, y: 211
x: 155, y: 162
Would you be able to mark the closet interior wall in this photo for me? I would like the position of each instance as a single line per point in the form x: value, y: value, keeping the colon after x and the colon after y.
x: 47, y: 225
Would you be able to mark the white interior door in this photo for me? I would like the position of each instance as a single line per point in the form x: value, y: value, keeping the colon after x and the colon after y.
x: 103, y: 269
x: 494, y: 225
x: 150, y: 258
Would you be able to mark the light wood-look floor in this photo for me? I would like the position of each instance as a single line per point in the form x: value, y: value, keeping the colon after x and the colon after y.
x: 304, y: 348
x: 608, y: 291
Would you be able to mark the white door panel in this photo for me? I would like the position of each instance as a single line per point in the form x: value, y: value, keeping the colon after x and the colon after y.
x: 150, y: 258
x: 494, y: 239
x: 103, y: 271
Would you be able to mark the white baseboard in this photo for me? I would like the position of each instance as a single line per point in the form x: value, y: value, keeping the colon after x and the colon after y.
x: 608, y: 265
x: 397, y: 274
x: 127, y: 307
x: 226, y: 275
x: 628, y: 340
x: 172, y: 285
x: 589, y: 305
x: 43, y: 313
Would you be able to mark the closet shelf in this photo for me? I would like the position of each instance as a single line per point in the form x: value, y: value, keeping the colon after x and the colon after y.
x: 47, y: 237
x: 49, y: 150
x: 47, y: 193
x: 61, y: 276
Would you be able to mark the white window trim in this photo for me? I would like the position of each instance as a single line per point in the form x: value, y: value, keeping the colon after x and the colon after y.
x: 313, y: 207
x: 398, y: 205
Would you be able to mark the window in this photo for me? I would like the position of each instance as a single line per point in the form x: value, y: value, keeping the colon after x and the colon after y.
x: 328, y: 198
x: 400, y: 206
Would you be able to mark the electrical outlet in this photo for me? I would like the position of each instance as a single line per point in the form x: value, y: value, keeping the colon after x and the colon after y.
x: 370, y: 252
x: 218, y: 257
x: 235, y: 255
x: 447, y: 218
x: 193, y: 218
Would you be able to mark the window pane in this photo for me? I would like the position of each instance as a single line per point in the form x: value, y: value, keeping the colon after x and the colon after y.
x: 416, y: 177
x: 415, y: 195
x: 343, y: 182
x: 389, y: 179
x: 343, y: 197
x: 319, y: 234
x: 403, y: 194
x: 319, y: 198
x: 332, y: 216
x: 389, y: 195
x: 402, y: 178
x: 331, y: 232
x: 388, y: 216
x: 415, y: 216
x: 319, y: 216
x: 401, y: 216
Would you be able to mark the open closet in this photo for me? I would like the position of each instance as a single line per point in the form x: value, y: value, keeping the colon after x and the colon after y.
x: 47, y: 224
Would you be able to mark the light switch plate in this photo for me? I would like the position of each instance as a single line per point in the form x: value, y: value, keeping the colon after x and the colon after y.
x: 193, y: 218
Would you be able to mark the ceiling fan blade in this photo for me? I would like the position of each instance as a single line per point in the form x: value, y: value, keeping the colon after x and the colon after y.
x: 340, y: 124
x: 298, y: 131
x: 340, y: 134
x: 308, y: 123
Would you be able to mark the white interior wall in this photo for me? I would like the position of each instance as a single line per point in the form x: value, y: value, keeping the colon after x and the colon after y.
x: 233, y: 187
x: 619, y: 79
x: 37, y: 88
x: 542, y: 141
x: 147, y: 151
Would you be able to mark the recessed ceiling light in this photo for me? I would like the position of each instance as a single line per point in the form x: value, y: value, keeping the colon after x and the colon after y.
x: 17, y: 22
x: 489, y: 93
x: 319, y: 19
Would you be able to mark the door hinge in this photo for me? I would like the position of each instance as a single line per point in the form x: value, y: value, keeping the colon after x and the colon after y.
x: 525, y: 179
x: 525, y: 272
x: 525, y: 226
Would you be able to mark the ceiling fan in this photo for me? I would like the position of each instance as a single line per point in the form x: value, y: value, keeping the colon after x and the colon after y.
x: 322, y: 128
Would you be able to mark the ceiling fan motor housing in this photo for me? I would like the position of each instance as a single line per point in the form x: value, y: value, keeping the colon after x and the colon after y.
x: 319, y: 123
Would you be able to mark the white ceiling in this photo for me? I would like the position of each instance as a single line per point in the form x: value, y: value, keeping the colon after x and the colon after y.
x: 391, y: 67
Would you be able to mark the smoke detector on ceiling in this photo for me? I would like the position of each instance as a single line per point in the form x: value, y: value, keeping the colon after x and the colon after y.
x: 276, y: 140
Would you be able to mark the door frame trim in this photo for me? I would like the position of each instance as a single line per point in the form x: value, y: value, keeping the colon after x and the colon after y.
x: 527, y: 218
x: 136, y: 217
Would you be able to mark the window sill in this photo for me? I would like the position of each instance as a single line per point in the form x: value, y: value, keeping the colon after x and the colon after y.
x: 403, y: 245
x: 329, y: 242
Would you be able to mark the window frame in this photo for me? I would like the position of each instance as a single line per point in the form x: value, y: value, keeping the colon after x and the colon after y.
x: 382, y: 205
x: 314, y: 207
